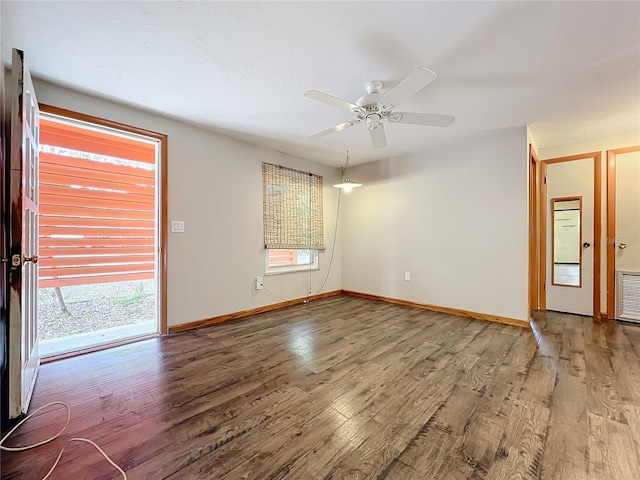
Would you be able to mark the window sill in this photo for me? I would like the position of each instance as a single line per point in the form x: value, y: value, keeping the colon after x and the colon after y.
x: 291, y: 270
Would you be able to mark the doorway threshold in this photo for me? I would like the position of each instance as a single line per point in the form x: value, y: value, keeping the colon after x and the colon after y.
x: 94, y: 340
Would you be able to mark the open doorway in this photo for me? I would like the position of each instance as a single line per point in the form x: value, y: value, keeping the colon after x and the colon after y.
x: 571, y: 230
x: 100, y: 272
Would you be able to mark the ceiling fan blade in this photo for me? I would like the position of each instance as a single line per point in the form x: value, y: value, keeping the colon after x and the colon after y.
x: 378, y: 138
x: 337, y: 128
x: 413, y: 83
x: 331, y: 100
x: 429, y: 119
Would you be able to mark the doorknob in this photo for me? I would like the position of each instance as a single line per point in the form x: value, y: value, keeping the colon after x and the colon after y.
x: 33, y: 259
x: 622, y: 245
x: 586, y: 244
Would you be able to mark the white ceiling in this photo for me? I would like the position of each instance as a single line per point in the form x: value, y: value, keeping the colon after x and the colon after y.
x: 570, y: 70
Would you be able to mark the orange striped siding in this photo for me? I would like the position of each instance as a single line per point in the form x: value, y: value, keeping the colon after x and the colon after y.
x: 75, y: 137
x: 99, y: 232
x: 64, y: 221
x: 94, y: 242
x: 92, y: 183
x: 83, y: 165
x: 72, y: 211
x: 75, y: 261
x: 68, y: 191
x: 89, y: 270
x: 109, y: 176
x: 281, y: 258
x: 96, y: 251
x: 93, y: 202
x: 71, y: 281
x: 110, y: 207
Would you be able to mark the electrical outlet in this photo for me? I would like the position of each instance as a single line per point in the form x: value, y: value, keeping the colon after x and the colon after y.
x: 258, y: 283
x: 407, y: 276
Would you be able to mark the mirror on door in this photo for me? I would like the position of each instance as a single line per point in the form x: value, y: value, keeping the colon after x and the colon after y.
x: 567, y: 241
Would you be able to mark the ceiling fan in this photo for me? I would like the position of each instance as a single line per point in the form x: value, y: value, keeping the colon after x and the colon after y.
x: 375, y: 107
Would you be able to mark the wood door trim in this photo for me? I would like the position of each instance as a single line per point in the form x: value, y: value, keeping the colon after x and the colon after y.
x: 542, y: 205
x: 611, y: 225
x: 534, y: 240
x: 611, y: 233
x: 597, y: 225
x: 103, y: 122
x: 163, y: 185
x: 569, y: 158
x: 164, y: 228
x: 597, y: 236
x: 437, y: 308
x: 268, y: 308
x: 207, y: 322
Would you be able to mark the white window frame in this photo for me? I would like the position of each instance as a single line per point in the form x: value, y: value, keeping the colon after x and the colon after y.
x: 275, y: 270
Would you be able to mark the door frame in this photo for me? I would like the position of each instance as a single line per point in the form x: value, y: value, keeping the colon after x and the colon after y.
x: 611, y: 226
x: 162, y: 194
x: 597, y: 226
x: 534, y: 237
x: 4, y: 252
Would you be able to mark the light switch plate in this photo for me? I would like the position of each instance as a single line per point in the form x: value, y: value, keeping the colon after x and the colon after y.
x: 177, y: 226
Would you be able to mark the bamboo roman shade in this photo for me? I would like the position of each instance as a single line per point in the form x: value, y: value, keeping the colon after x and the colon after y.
x: 293, y: 216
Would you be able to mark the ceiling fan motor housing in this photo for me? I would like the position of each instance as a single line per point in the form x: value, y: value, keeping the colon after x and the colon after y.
x: 369, y: 100
x: 371, y: 104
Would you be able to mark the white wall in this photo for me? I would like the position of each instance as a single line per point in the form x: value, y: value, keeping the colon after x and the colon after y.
x: 454, y: 216
x: 595, y: 145
x: 215, y: 186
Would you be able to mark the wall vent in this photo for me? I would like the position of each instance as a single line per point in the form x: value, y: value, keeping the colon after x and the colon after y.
x: 628, y: 293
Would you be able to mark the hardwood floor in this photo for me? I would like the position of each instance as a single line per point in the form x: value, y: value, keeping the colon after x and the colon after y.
x: 350, y: 388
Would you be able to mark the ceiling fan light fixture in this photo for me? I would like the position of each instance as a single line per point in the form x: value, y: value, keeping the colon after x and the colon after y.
x: 374, y: 121
x: 346, y: 184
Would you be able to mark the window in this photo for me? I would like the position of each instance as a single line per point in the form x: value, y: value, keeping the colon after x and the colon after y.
x: 291, y: 260
x: 293, y: 218
x: 97, y: 204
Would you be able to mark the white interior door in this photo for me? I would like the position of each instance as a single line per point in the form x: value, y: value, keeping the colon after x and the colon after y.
x: 23, y: 237
x: 569, y: 279
x: 627, y: 243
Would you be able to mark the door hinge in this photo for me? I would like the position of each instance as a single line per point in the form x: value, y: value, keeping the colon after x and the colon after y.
x: 545, y: 179
x: 545, y: 286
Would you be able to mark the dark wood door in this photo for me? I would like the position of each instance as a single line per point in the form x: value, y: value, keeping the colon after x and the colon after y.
x: 4, y: 249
